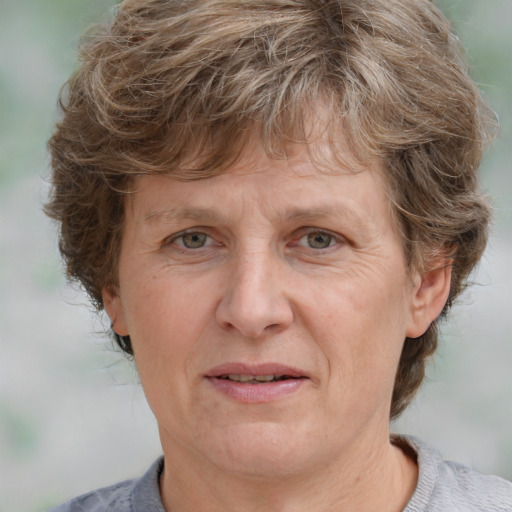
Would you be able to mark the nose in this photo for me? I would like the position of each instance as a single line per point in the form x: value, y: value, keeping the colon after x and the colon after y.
x: 255, y: 301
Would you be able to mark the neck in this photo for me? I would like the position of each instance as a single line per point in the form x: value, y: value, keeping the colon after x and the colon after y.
x: 370, y: 478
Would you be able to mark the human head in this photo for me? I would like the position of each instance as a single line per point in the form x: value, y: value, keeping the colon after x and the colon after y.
x: 178, y: 88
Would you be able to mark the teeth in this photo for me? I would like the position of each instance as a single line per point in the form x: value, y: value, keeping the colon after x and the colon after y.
x: 265, y: 378
x: 251, y: 378
x: 240, y: 378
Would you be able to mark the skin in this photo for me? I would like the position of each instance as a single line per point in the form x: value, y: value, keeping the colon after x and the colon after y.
x: 286, y: 264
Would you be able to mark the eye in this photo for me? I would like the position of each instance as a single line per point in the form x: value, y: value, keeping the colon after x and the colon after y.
x: 193, y: 245
x: 318, y: 240
x: 192, y: 240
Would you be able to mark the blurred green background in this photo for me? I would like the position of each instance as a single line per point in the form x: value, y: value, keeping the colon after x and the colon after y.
x: 72, y: 416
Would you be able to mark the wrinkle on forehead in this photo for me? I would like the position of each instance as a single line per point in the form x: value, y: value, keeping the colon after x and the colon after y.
x: 315, y: 161
x: 328, y: 154
x: 291, y: 214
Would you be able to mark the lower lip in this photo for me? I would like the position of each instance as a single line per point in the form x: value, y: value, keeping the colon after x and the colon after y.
x: 256, y: 393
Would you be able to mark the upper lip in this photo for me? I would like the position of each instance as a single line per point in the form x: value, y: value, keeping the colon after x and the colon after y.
x: 256, y: 369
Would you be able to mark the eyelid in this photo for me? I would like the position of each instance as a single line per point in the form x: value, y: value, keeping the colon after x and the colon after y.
x: 172, y: 238
x: 296, y: 237
x: 308, y: 230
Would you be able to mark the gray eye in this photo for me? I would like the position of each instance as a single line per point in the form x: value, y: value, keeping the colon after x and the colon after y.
x: 194, y: 240
x: 319, y: 240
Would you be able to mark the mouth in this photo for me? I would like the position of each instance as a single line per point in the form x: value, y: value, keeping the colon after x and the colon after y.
x: 261, y: 383
x: 256, y: 373
x: 256, y: 379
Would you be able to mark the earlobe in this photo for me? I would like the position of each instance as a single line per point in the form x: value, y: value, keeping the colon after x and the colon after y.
x: 430, y: 293
x: 114, y: 308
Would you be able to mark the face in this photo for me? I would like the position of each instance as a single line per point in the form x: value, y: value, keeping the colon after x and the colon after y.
x: 267, y: 308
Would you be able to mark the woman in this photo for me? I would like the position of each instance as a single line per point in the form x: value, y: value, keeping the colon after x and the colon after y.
x: 275, y: 202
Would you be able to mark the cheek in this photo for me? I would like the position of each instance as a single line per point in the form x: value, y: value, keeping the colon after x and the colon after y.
x: 360, y: 327
x: 166, y: 321
x: 166, y: 316
x: 360, y: 303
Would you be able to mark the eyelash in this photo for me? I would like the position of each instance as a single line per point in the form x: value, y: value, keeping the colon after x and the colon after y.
x: 173, y: 239
x: 314, y: 234
x: 309, y: 235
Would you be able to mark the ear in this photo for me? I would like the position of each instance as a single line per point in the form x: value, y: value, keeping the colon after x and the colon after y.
x: 114, y: 308
x: 430, y: 293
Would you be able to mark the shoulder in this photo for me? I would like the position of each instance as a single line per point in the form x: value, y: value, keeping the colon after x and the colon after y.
x: 482, y: 492
x: 115, y: 498
x: 445, y: 486
x: 124, y: 496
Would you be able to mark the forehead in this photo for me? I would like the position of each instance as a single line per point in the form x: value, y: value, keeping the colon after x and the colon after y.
x: 326, y: 155
x: 307, y: 185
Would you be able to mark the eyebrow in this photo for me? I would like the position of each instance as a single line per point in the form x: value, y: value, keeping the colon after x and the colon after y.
x: 176, y: 214
x: 307, y: 214
x: 294, y: 214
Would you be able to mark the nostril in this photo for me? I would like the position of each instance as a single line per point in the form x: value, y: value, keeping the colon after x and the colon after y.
x: 253, y: 315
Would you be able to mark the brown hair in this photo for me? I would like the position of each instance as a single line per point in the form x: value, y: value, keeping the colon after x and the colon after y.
x: 176, y: 87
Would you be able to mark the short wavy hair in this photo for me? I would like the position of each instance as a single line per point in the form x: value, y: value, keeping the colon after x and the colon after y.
x: 178, y: 87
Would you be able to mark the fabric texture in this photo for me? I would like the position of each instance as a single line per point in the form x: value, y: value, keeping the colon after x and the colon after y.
x: 442, y: 487
x: 445, y: 486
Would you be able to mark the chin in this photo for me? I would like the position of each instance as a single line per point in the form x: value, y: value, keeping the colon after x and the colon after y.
x: 263, y: 451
